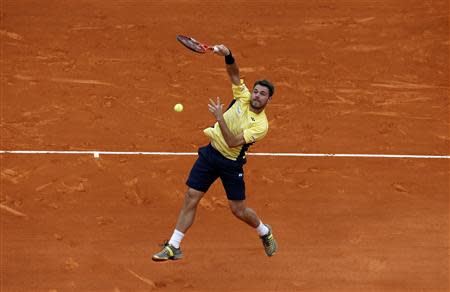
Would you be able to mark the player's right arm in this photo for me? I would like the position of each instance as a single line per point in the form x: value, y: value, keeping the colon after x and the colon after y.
x: 231, y: 66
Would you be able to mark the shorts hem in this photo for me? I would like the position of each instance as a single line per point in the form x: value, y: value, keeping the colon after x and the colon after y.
x: 195, y: 187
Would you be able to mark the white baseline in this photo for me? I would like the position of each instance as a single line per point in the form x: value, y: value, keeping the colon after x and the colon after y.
x: 93, y: 152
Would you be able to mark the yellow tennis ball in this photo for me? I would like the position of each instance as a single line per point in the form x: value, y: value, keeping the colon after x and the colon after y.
x: 178, y: 107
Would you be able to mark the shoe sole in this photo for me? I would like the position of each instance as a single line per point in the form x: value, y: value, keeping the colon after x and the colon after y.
x: 167, y: 259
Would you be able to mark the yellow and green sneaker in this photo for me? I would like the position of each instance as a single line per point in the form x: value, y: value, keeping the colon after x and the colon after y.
x: 168, y: 252
x: 269, y: 242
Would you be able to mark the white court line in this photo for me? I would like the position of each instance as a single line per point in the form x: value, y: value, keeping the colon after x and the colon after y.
x: 92, y: 152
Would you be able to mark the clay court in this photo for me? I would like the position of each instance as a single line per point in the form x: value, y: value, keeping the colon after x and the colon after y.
x: 351, y: 77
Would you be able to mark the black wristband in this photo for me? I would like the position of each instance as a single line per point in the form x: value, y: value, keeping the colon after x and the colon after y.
x: 229, y: 60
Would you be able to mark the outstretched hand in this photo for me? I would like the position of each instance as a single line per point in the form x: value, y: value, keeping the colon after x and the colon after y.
x: 216, y: 108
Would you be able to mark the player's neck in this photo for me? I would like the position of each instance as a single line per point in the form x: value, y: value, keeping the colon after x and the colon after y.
x: 256, y: 110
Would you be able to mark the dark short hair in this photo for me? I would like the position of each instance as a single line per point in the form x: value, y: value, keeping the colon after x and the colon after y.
x: 267, y: 84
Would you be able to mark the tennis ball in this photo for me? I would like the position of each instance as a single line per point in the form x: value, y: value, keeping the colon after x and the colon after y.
x: 178, y: 107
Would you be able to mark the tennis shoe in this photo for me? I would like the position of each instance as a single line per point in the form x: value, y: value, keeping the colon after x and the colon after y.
x: 269, y: 242
x: 169, y: 252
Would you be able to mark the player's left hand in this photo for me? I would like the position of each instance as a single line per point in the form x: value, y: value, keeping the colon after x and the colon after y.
x: 216, y: 108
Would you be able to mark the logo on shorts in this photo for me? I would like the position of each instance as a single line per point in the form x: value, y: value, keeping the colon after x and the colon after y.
x: 241, y: 175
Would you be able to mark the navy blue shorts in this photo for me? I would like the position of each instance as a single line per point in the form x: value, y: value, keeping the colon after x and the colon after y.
x: 210, y: 165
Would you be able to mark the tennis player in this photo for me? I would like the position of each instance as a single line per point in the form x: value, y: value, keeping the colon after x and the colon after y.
x: 242, y: 124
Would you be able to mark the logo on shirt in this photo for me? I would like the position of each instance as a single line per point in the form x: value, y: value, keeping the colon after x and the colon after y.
x: 239, y: 111
x: 253, y: 119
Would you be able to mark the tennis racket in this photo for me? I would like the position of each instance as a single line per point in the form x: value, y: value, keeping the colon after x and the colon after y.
x: 195, y: 45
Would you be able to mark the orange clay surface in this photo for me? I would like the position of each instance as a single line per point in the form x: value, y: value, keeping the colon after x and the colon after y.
x: 353, y: 76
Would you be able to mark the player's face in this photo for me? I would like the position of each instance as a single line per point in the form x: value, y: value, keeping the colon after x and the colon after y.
x: 260, y: 97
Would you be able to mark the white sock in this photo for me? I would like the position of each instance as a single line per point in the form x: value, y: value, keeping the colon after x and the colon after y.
x: 262, y: 229
x: 176, y: 238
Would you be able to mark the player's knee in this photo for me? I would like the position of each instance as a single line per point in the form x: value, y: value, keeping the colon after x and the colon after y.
x: 237, y: 210
x: 193, y: 196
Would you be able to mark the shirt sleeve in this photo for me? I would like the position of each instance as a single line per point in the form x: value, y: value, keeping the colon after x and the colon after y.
x: 255, y: 133
x: 241, y: 92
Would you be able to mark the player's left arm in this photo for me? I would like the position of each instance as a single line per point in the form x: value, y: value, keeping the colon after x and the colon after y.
x: 231, y: 139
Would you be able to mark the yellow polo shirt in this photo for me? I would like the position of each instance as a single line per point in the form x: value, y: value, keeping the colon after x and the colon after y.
x: 239, y: 119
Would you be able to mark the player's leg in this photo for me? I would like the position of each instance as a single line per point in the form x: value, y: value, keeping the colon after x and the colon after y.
x: 233, y: 182
x: 200, y: 178
x: 189, y: 209
x: 232, y: 177
x: 246, y: 214
x: 171, y: 249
